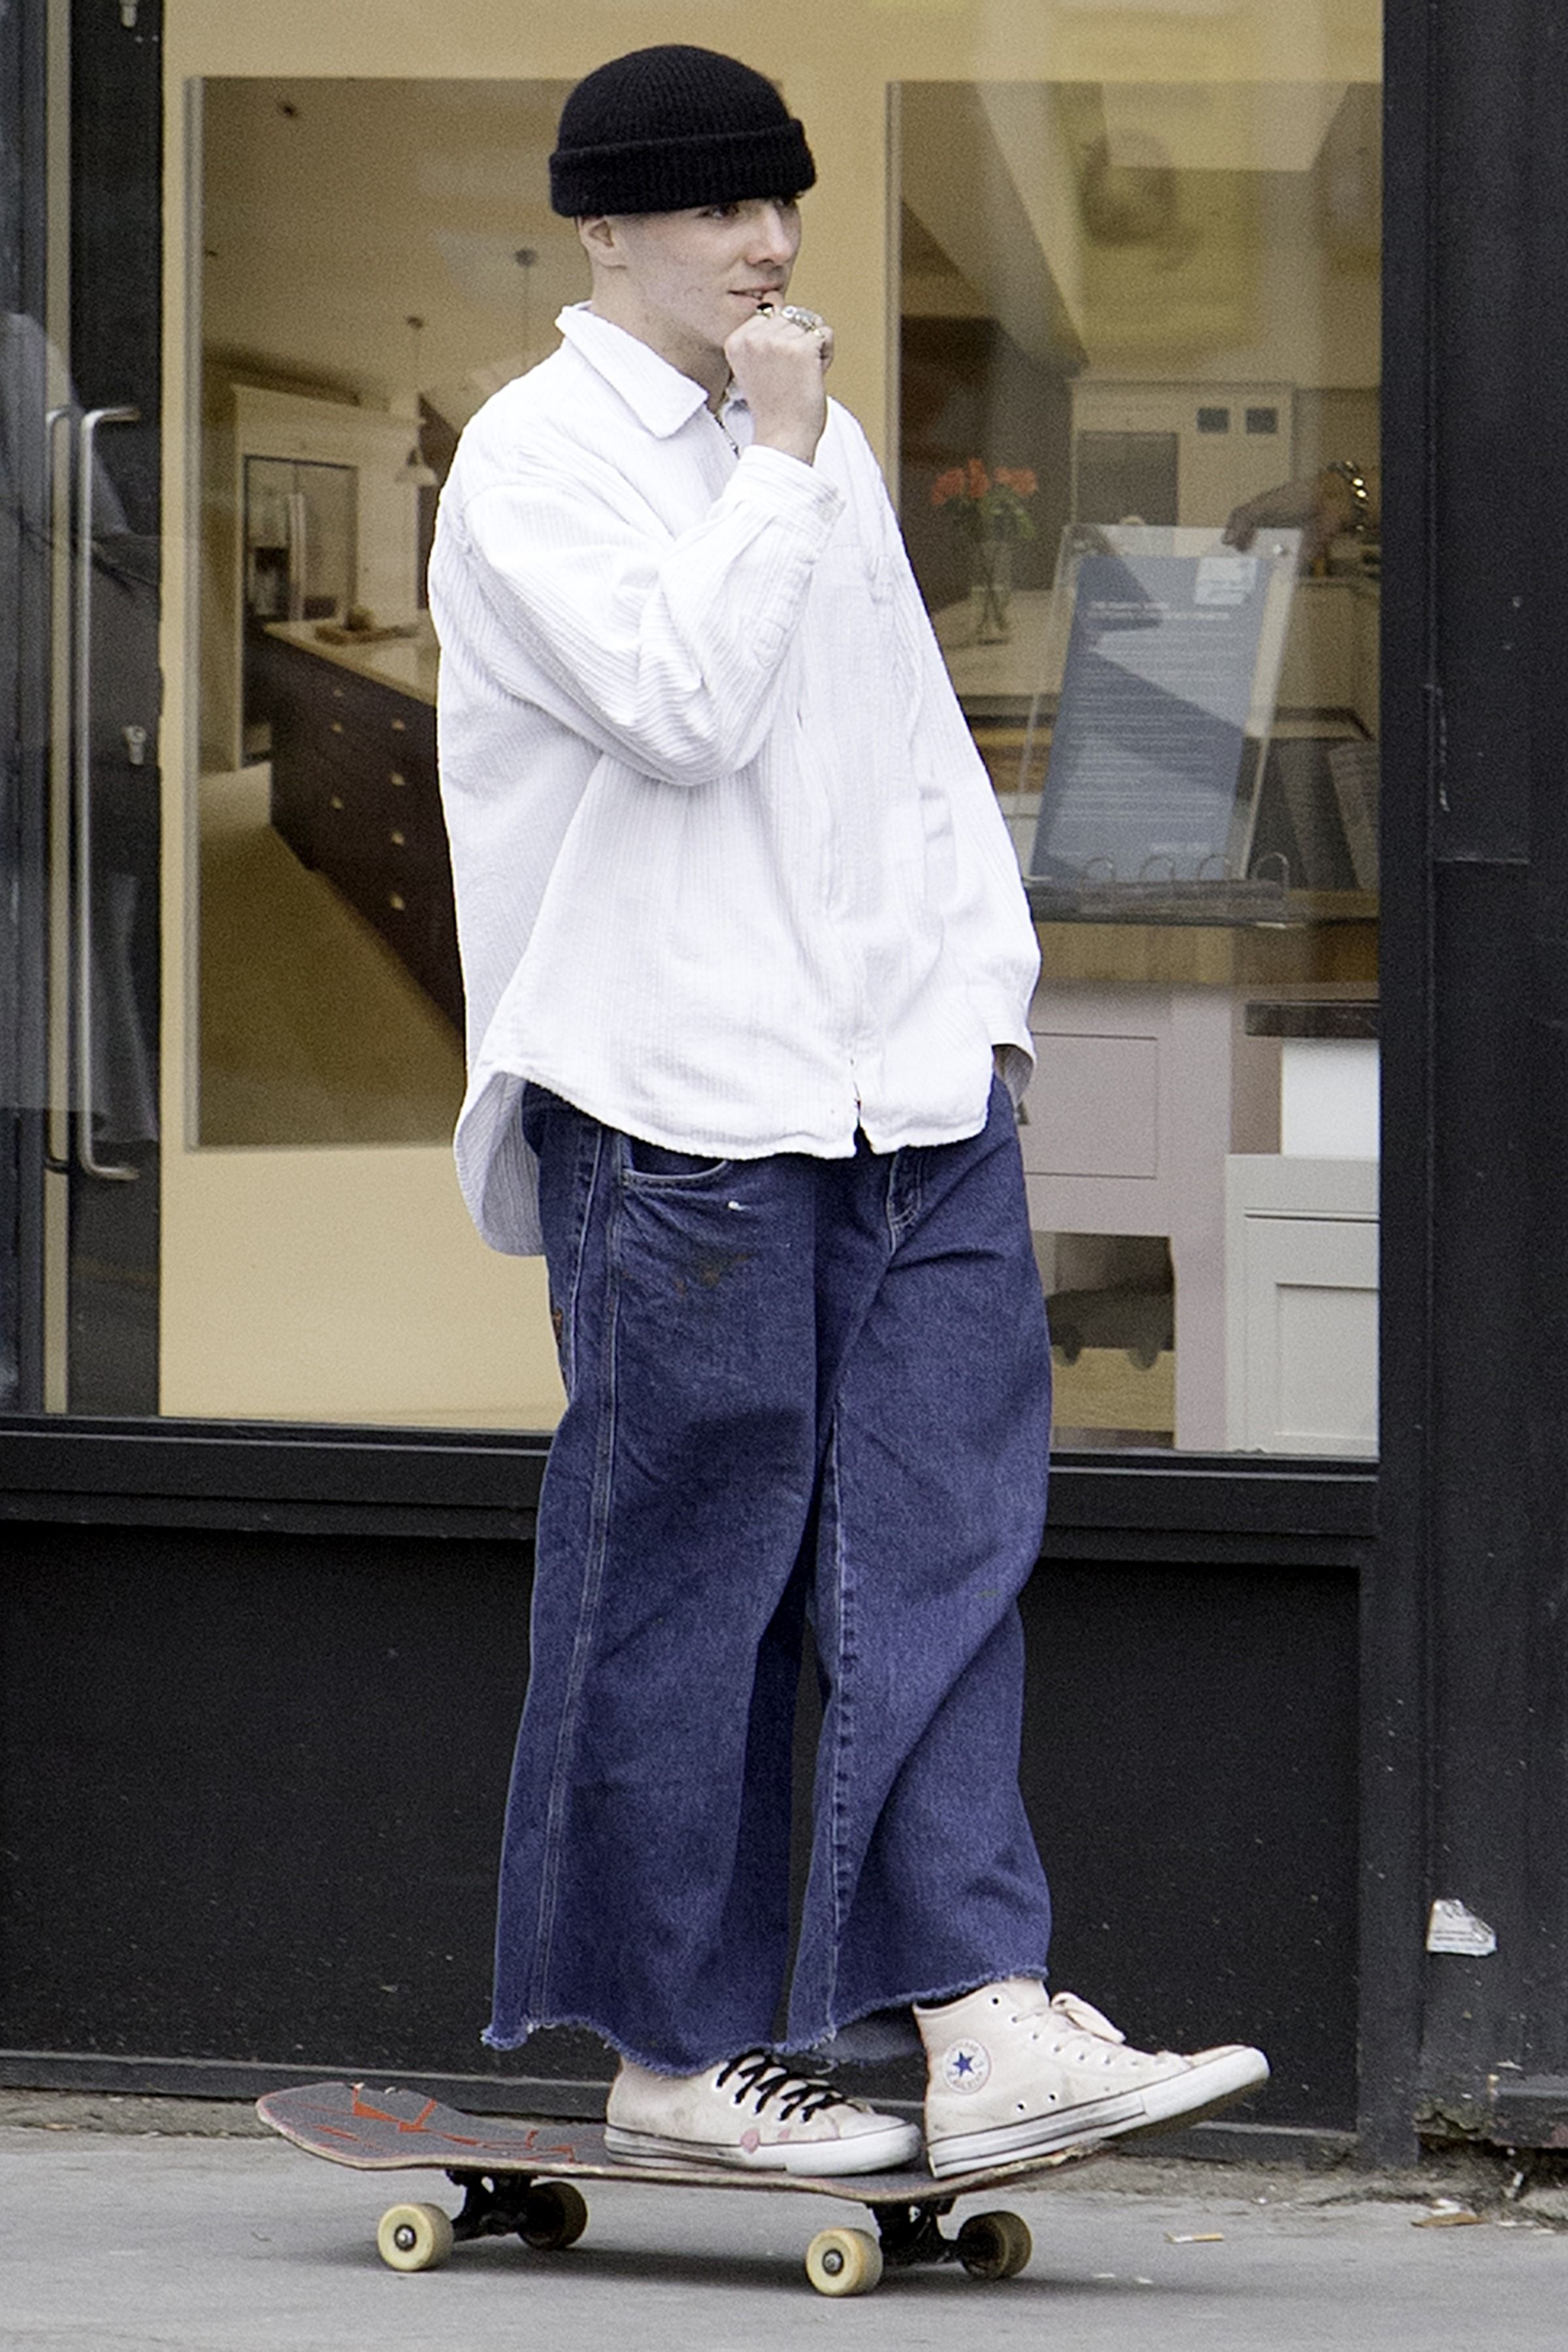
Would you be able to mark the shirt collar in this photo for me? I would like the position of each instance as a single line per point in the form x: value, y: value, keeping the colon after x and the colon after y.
x: 658, y: 396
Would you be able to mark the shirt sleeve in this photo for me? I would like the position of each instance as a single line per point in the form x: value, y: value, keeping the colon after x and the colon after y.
x: 664, y: 650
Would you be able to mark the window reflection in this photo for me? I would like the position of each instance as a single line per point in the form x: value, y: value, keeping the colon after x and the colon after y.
x: 379, y: 257
x: 1132, y: 314
x: 1120, y: 302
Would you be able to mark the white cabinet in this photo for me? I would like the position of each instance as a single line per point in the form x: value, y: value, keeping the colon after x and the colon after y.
x: 1127, y: 1125
x: 1302, y: 1304
x: 1139, y: 1099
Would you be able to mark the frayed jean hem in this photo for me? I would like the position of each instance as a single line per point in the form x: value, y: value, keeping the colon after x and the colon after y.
x: 613, y: 2041
x: 889, y: 2032
x: 871, y: 2038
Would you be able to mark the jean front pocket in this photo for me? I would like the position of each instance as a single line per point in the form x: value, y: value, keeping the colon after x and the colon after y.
x: 653, y: 1163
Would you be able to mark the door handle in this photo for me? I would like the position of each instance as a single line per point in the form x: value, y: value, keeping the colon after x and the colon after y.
x: 57, y: 522
x: 86, y: 1157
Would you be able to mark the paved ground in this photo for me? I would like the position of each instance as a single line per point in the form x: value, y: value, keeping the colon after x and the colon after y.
x: 118, y: 2238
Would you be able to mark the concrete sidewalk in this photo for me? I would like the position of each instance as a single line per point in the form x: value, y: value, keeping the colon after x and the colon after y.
x: 127, y: 2239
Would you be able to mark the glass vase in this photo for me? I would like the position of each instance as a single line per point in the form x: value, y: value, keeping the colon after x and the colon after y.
x: 991, y: 591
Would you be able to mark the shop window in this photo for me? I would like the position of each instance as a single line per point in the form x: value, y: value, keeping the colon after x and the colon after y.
x: 1106, y: 220
x: 1140, y: 320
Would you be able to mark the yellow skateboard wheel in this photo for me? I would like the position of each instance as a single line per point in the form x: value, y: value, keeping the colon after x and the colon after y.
x: 414, y: 2237
x: 844, y: 2262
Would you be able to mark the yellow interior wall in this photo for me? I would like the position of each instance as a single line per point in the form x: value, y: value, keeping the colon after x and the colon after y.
x: 344, y: 1285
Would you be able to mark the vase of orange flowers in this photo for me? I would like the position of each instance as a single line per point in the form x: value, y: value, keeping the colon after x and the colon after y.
x: 990, y: 506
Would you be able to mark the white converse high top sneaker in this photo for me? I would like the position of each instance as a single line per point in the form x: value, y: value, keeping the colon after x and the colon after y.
x: 1012, y: 2073
x: 753, y: 2113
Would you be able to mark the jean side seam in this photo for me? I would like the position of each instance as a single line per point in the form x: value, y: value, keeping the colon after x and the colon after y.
x: 842, y: 1733
x: 586, y: 1173
x: 587, y: 1607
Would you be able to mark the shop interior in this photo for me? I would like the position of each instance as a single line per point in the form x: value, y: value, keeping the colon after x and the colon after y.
x: 1114, y: 301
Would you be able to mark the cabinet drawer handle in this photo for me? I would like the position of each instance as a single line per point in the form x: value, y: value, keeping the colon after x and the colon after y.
x: 400, y: 726
x: 337, y: 800
x: 337, y: 725
x: 396, y: 901
x: 398, y: 840
x: 396, y: 777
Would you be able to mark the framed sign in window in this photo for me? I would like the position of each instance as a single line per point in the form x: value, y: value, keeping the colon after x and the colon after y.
x: 1171, y: 644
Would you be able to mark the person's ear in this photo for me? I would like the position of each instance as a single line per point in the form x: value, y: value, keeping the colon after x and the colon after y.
x: 600, y: 241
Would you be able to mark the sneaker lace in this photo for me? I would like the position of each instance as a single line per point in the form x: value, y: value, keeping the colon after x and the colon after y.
x: 1084, y: 2018
x: 763, y: 2078
x: 1089, y: 2039
x: 1080, y: 2031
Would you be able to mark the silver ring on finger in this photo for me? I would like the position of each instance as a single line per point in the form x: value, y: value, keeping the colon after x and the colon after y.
x: 811, y: 320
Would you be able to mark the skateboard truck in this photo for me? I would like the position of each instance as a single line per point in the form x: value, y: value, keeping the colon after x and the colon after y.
x: 989, y: 2245
x: 545, y: 2214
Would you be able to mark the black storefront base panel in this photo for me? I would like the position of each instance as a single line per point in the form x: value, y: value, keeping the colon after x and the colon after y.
x: 251, y: 1775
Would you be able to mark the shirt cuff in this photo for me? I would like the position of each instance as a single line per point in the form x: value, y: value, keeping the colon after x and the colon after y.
x: 791, y: 479
x: 1014, y: 1065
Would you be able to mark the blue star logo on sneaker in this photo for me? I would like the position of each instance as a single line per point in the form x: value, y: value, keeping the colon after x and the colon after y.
x: 965, y: 2065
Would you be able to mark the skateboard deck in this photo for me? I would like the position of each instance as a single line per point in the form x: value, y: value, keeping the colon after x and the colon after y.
x: 519, y: 2179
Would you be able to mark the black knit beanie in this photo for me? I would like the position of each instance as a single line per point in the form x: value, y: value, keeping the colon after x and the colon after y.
x: 671, y: 126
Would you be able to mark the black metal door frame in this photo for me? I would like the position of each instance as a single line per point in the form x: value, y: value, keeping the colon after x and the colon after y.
x: 1465, y: 1756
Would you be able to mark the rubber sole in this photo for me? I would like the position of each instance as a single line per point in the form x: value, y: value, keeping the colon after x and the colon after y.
x: 1169, y: 2104
x: 1239, y: 2072
x: 822, y: 2160
x: 1080, y: 2126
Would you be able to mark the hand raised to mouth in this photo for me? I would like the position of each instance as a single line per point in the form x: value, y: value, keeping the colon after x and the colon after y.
x: 812, y: 320
x: 778, y: 359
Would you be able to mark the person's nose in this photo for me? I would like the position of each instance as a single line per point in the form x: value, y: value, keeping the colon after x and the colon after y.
x: 775, y: 234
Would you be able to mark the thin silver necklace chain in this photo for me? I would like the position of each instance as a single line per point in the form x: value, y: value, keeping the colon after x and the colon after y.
x: 718, y: 421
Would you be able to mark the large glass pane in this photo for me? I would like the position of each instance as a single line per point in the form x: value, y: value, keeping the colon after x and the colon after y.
x: 377, y: 257
x: 79, y: 589
x: 1086, y: 264
x: 1139, y: 323
x: 331, y: 996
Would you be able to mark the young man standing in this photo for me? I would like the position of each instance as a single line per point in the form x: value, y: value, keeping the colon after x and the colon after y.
x: 748, y: 968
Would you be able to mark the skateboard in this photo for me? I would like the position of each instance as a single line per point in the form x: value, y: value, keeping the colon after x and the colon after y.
x: 520, y: 2178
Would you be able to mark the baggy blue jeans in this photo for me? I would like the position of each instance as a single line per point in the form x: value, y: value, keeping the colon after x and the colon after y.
x: 794, y: 1386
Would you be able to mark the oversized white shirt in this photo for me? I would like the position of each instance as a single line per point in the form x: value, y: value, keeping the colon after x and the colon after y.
x: 729, y: 873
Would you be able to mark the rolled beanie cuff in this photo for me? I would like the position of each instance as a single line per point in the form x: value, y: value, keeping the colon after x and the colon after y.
x: 669, y: 175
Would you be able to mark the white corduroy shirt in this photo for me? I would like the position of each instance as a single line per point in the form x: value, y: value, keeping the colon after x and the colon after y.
x: 729, y: 873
